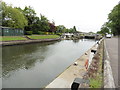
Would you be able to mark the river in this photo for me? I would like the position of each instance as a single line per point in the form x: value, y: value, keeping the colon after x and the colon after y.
x: 36, y: 65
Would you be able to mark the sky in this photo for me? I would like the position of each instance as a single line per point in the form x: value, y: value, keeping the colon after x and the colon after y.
x: 86, y: 15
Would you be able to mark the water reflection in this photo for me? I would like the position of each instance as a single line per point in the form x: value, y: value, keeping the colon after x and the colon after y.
x: 76, y: 41
x: 36, y: 65
x: 15, y: 57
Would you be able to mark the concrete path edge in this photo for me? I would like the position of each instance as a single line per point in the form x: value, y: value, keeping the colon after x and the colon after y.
x: 108, y: 76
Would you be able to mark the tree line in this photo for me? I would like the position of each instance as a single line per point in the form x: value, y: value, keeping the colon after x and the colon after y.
x: 113, y: 24
x: 26, y: 19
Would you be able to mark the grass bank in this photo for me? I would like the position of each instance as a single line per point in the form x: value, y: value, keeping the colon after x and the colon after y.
x: 15, y: 38
x: 43, y: 36
x: 11, y: 38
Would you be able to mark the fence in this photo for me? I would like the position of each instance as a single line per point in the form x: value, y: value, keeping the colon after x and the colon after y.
x: 7, y: 31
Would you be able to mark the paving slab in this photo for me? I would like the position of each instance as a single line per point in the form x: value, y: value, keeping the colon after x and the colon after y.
x: 112, y: 49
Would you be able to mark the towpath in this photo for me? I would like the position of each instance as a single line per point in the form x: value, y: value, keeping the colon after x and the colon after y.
x: 112, y: 48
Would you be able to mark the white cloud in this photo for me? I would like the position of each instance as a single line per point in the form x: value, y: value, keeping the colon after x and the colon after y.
x: 87, y: 15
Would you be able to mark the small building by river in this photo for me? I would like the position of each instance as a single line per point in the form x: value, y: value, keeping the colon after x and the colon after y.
x: 7, y: 31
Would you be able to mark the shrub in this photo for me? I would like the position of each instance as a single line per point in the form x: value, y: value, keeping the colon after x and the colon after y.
x: 28, y: 32
x: 41, y: 33
x: 46, y: 33
x: 51, y: 33
x: 59, y: 34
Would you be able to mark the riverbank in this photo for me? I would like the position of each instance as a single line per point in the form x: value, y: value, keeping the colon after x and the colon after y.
x: 27, y: 37
x: 65, y: 79
x: 18, y: 40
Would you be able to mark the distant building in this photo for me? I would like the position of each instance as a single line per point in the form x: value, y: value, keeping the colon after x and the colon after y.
x: 7, y: 31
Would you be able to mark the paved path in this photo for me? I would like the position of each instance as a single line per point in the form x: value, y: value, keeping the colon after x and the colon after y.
x: 112, y: 48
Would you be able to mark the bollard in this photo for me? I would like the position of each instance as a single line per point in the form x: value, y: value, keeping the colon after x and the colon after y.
x: 77, y: 82
x: 94, y: 51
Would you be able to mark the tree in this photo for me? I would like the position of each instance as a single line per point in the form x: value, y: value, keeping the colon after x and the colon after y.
x: 44, y: 23
x: 12, y: 17
x: 114, y: 20
x: 37, y: 26
x: 71, y: 30
x: 113, y: 24
x: 104, y: 29
x: 52, y: 27
x: 30, y: 15
x: 61, y: 29
x: 74, y: 29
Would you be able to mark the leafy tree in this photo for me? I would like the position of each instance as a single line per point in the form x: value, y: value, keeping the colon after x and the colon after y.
x: 113, y: 24
x: 12, y: 17
x: 37, y: 26
x: 104, y: 29
x: 61, y: 29
x: 44, y: 23
x: 52, y: 27
x: 71, y: 30
x: 30, y: 15
x: 74, y: 29
x: 33, y: 20
x: 114, y: 20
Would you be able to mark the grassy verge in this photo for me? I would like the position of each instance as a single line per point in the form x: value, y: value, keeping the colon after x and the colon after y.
x: 43, y: 36
x: 14, y: 38
x: 11, y: 38
x: 97, y: 80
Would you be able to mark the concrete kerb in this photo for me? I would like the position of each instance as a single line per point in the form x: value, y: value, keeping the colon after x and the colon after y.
x: 108, y: 76
x: 92, y: 54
